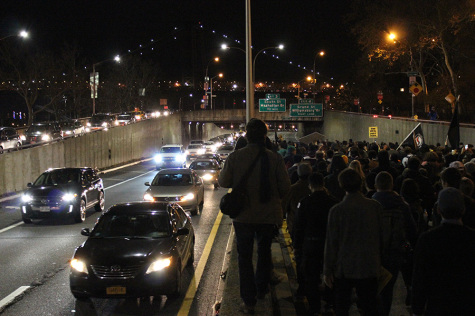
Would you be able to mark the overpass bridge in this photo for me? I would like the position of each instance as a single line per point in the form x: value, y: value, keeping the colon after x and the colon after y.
x: 239, y: 115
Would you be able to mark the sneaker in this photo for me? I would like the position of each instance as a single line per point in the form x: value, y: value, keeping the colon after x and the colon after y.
x: 246, y: 309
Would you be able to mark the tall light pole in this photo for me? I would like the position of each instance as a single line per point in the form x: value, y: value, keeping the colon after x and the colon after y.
x: 220, y: 75
x: 321, y: 54
x: 249, y: 83
x: 298, y: 86
x: 23, y: 34
x: 205, y: 86
x: 94, y: 80
x: 255, y: 57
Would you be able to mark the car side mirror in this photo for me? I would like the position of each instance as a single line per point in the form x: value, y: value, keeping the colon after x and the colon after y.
x: 85, y: 232
x: 29, y: 185
x: 147, y: 184
x: 182, y: 231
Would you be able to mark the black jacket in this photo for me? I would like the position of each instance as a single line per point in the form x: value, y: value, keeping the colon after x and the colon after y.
x: 310, y: 222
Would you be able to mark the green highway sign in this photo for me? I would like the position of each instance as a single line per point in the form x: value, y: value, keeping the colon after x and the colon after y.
x: 271, y: 105
x: 306, y: 110
x: 305, y: 101
x: 272, y: 95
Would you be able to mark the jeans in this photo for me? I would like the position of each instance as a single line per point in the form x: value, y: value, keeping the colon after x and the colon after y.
x: 250, y: 283
x: 366, y: 290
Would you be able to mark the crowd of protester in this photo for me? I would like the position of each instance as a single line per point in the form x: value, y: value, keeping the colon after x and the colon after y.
x: 360, y: 214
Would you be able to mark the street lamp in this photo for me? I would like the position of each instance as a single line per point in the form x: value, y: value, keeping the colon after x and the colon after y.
x: 215, y: 59
x: 224, y: 46
x: 94, y: 80
x: 309, y: 78
x: 22, y: 33
x: 220, y: 75
x: 321, y: 54
x: 255, y: 57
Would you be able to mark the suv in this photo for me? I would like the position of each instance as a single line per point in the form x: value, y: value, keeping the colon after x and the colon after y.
x: 9, y: 139
x: 194, y: 150
x: 42, y: 132
x: 68, y: 191
x: 170, y: 156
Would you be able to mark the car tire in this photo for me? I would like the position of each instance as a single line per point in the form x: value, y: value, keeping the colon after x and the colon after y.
x: 99, y: 207
x: 200, y: 207
x: 177, y: 290
x: 80, y: 213
x: 27, y: 220
x: 194, y: 211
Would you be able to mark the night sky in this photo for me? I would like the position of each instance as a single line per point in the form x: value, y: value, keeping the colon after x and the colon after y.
x: 187, y: 34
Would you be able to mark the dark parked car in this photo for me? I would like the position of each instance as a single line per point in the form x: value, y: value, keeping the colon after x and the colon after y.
x: 42, y: 133
x: 69, y: 191
x: 137, y: 249
x: 9, y: 139
x: 100, y: 121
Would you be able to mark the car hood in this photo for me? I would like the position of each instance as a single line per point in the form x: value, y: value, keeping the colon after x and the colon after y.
x: 106, y: 251
x: 53, y: 190
x: 170, y: 190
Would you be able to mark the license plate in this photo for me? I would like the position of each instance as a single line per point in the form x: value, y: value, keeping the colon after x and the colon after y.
x: 115, y: 290
x: 44, y: 209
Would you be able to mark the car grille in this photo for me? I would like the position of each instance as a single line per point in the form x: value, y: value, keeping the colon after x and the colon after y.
x: 167, y: 199
x: 115, y: 271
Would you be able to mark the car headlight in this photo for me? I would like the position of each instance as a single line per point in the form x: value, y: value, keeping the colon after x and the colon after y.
x: 187, y: 152
x: 45, y: 137
x: 207, y: 176
x: 69, y: 197
x: 180, y: 158
x: 189, y: 196
x: 79, y: 266
x: 26, y: 198
x: 104, y: 124
x: 159, y: 265
x: 201, y: 151
x: 148, y: 197
x: 165, y: 113
x: 88, y: 124
x: 116, y: 122
x: 22, y: 137
x: 230, y: 139
x: 158, y: 158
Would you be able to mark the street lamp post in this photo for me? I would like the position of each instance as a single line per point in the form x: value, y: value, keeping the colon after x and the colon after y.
x: 95, y: 80
x: 23, y: 34
x: 321, y: 54
x: 211, y: 89
x: 205, y: 87
x: 298, y: 86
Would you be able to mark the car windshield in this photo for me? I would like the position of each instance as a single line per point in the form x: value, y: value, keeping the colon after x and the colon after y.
x: 124, y: 117
x: 203, y: 165
x: 58, y: 177
x: 195, y: 146
x: 37, y: 129
x: 168, y: 150
x: 226, y: 147
x: 99, y: 118
x: 149, y: 225
x: 173, y: 179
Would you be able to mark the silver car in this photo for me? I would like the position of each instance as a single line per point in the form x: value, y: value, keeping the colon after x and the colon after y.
x: 225, y: 150
x: 179, y: 185
x: 9, y: 139
x: 208, y: 170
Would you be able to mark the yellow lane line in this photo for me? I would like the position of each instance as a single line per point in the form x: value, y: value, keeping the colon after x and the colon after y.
x: 195, y: 281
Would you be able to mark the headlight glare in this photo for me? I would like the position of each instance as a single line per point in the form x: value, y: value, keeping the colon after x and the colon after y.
x: 45, y: 137
x: 189, y: 196
x: 148, y: 197
x: 158, y: 158
x: 207, y: 176
x: 69, y: 197
x: 201, y: 151
x: 79, y: 266
x: 159, y: 265
x: 26, y: 198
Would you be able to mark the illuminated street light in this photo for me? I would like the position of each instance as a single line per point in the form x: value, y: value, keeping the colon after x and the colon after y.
x: 220, y: 75
x: 94, y: 80
x: 255, y: 57
x: 22, y: 34
x: 309, y: 78
x: 225, y: 46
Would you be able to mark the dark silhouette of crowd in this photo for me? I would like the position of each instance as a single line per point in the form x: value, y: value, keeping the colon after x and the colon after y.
x: 362, y: 214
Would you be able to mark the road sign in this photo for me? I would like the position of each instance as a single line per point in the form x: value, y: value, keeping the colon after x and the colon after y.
x: 415, y: 88
x: 271, y: 105
x: 356, y: 101
x: 272, y: 96
x: 305, y: 101
x: 306, y: 110
x: 380, y: 95
x: 373, y: 132
x: 412, y: 73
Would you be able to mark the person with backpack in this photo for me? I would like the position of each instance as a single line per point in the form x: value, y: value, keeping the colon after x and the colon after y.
x: 398, y: 228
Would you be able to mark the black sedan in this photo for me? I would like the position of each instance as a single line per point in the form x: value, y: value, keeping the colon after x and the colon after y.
x: 63, y: 191
x: 135, y: 250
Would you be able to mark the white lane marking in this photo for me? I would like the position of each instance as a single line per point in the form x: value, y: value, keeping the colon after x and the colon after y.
x: 13, y: 207
x: 10, y: 197
x: 10, y: 298
x: 114, y: 185
x: 10, y: 227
